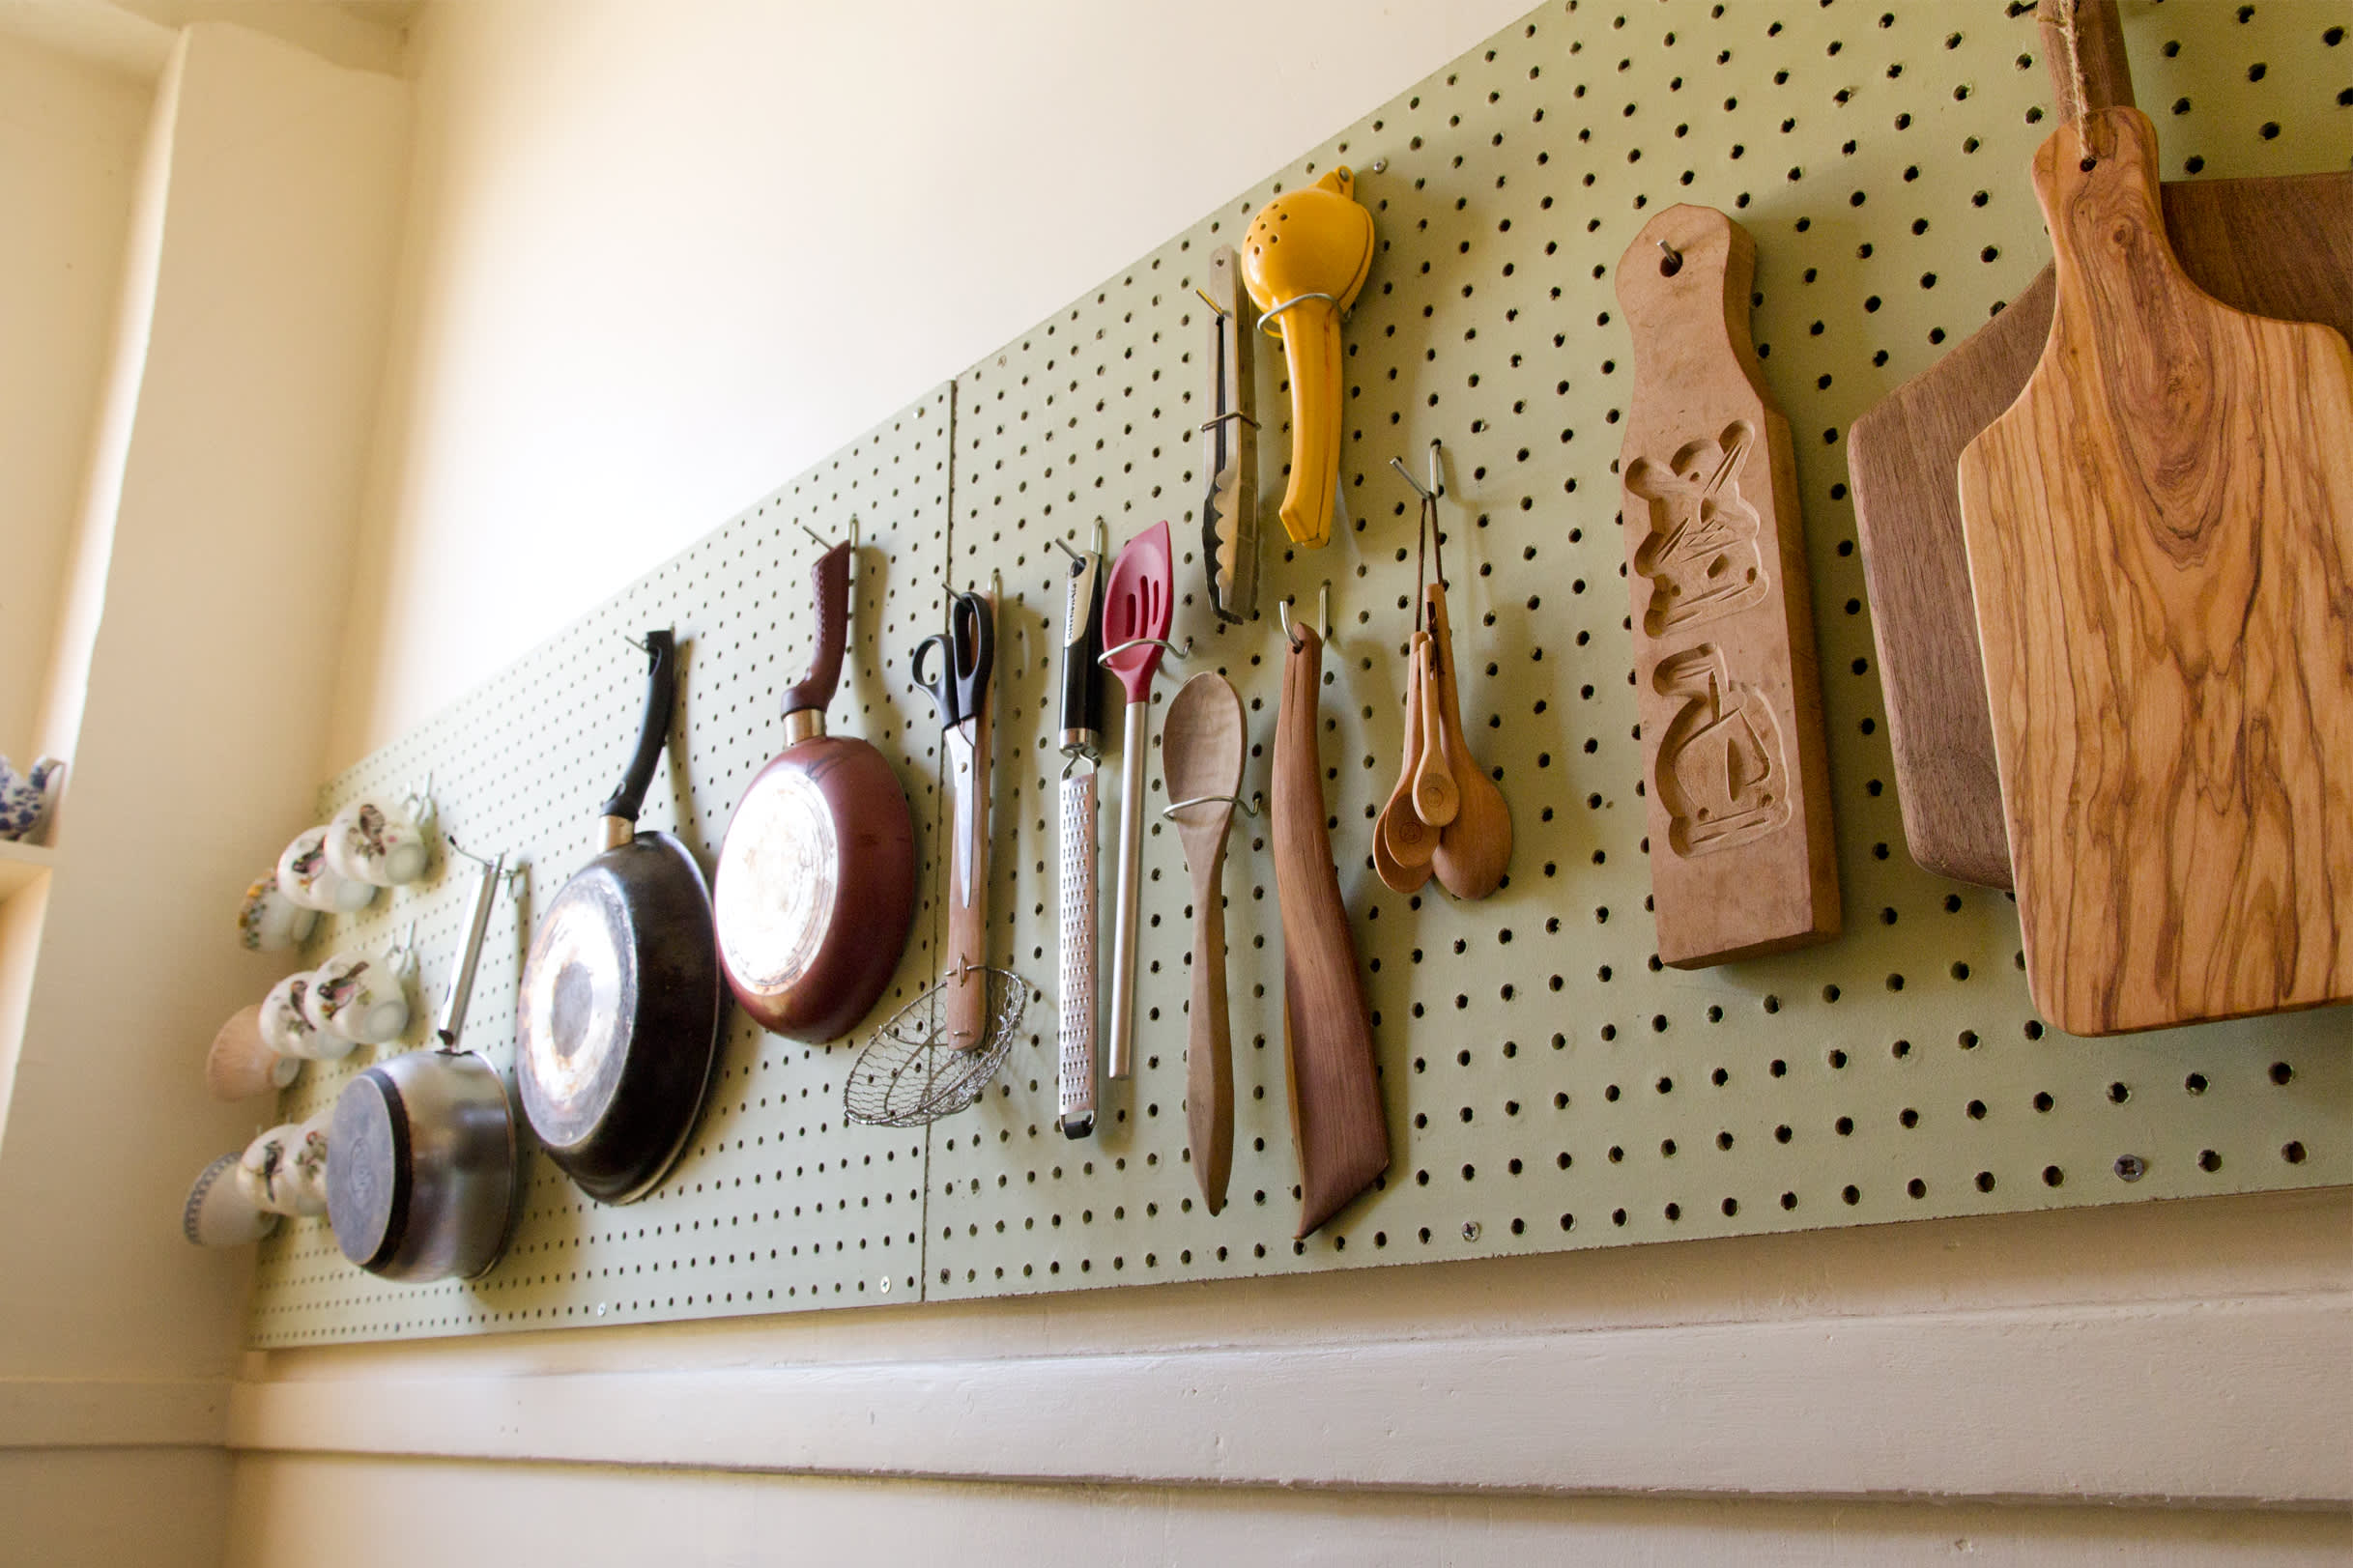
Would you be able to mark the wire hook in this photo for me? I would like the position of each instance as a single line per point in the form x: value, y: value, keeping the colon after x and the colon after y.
x: 1436, y: 487
x: 1323, y: 609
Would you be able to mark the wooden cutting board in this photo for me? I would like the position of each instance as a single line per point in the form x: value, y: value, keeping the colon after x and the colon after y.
x: 1737, y: 785
x: 2280, y: 247
x: 2160, y: 537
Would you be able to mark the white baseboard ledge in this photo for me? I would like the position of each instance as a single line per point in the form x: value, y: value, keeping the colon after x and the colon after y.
x: 2230, y: 1403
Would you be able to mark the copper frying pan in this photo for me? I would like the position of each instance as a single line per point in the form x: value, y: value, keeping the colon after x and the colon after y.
x: 815, y: 885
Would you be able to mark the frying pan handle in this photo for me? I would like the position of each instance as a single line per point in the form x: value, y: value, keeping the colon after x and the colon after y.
x: 661, y: 699
x: 830, y: 585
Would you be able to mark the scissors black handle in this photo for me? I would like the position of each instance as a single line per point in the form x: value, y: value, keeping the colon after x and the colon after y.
x: 967, y: 651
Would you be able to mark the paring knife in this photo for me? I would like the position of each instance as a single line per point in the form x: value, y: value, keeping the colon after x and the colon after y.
x: 1229, y: 446
x: 1082, y: 745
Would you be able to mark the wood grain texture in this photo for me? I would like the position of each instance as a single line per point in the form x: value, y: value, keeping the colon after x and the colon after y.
x: 1336, y: 1120
x: 1475, y: 849
x: 1401, y: 842
x: 1743, y: 859
x: 1201, y: 744
x: 2279, y: 247
x: 2161, y: 541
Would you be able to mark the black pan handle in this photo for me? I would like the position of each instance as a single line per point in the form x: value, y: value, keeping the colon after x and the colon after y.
x: 661, y: 699
x: 829, y: 585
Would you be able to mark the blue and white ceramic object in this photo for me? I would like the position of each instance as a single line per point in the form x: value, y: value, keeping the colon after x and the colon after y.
x: 25, y: 798
x: 220, y: 1212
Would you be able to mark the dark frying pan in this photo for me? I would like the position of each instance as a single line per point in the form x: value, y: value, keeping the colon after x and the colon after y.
x: 816, y: 879
x: 617, y: 1024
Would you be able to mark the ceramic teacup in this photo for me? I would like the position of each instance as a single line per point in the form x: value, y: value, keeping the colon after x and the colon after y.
x: 358, y: 997
x: 286, y: 1022
x: 25, y: 798
x: 284, y: 1170
x: 219, y: 1213
x: 304, y: 876
x: 242, y: 1063
x: 381, y: 841
x: 269, y: 921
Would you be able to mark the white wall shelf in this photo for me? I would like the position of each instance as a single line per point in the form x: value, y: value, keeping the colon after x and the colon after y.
x: 21, y: 864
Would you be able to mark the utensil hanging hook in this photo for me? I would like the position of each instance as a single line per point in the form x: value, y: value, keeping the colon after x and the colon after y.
x: 1247, y: 808
x: 1323, y: 613
x: 1437, y: 484
x: 824, y: 543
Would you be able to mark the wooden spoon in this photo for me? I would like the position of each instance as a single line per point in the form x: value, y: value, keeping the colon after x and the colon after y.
x: 1201, y: 746
x: 1436, y: 799
x: 1402, y: 843
x: 1475, y: 849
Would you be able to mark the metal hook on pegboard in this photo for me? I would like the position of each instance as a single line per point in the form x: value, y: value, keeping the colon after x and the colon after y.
x: 1323, y: 614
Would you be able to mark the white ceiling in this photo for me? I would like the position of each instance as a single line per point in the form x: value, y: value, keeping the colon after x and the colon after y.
x: 133, y: 37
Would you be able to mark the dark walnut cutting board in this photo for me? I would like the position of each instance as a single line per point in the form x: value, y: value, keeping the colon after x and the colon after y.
x: 2280, y: 247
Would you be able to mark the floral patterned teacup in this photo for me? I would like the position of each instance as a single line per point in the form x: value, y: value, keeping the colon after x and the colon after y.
x: 304, y: 876
x: 269, y: 921
x: 25, y: 798
x: 284, y: 1170
x: 358, y: 997
x: 286, y: 1025
x: 382, y: 843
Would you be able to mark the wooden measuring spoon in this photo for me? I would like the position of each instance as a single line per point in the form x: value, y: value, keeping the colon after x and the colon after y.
x: 1402, y: 843
x: 1475, y: 849
x: 1436, y: 799
x: 1201, y: 746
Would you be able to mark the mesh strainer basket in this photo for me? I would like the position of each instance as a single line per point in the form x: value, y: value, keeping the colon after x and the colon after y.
x: 907, y: 1077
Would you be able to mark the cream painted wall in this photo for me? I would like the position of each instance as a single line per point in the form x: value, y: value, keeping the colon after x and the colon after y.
x: 114, y: 1507
x: 663, y: 256
x: 69, y: 136
x: 212, y: 566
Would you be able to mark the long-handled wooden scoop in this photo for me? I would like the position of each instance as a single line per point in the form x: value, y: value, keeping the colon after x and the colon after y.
x: 1201, y: 746
x: 1336, y: 1119
x: 2280, y: 247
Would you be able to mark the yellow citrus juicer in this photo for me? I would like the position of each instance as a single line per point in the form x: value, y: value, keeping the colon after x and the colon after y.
x: 1304, y: 260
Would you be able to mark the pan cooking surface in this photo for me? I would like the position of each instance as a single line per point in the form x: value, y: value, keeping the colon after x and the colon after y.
x: 577, y: 1003
x: 778, y: 880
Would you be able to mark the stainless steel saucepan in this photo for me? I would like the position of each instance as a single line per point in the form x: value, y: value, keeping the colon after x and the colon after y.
x: 421, y: 1160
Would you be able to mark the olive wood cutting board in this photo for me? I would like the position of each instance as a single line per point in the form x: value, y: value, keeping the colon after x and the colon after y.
x: 1743, y: 859
x: 2160, y: 537
x: 2280, y: 247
